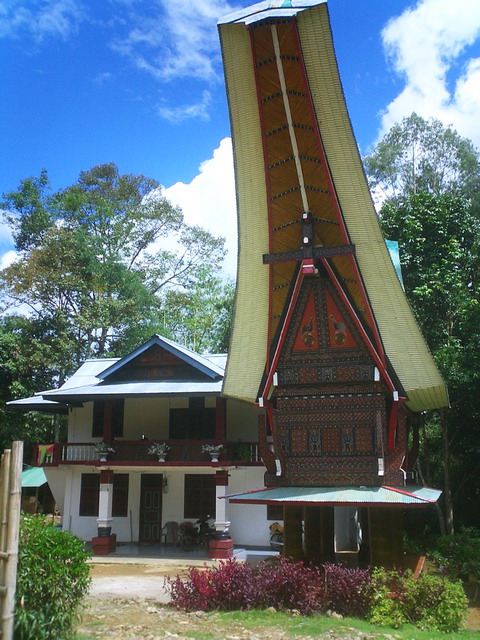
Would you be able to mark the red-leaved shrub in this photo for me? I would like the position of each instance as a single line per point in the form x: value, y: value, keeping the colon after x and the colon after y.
x: 348, y: 591
x: 284, y: 585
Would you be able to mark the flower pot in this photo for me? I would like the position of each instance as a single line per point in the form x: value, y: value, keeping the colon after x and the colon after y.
x: 103, y: 457
x: 161, y: 458
x: 214, y: 457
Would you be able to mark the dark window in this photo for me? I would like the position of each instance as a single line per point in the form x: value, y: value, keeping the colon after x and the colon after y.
x: 274, y: 512
x: 98, y: 413
x: 199, y: 499
x: 194, y: 423
x: 120, y: 495
x: 90, y: 491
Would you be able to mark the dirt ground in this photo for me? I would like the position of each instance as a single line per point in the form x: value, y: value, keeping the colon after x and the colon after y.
x: 128, y: 602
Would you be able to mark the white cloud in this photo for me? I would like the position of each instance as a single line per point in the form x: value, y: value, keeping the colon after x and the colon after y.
x: 424, y: 44
x: 50, y: 18
x: 8, y: 258
x: 178, y: 114
x: 209, y: 200
x: 175, y: 39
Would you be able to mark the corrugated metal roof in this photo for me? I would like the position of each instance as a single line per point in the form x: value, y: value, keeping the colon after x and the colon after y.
x: 34, y: 477
x: 88, y: 372
x: 123, y: 389
x: 37, y: 403
x: 269, y: 9
x: 340, y: 496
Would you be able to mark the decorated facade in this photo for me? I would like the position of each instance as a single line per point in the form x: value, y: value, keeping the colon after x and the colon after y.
x: 323, y: 336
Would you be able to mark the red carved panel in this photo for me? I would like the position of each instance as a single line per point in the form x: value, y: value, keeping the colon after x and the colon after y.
x: 338, y: 330
x: 307, y: 334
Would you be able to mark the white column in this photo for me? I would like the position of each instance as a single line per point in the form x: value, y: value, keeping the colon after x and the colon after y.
x: 104, y: 520
x: 222, y: 524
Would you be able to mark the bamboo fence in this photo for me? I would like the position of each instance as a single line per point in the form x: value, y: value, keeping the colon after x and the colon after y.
x: 10, y: 502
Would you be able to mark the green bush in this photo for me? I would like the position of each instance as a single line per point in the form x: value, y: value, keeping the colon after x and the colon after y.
x: 52, y: 579
x: 458, y: 556
x: 429, y: 602
x: 435, y: 603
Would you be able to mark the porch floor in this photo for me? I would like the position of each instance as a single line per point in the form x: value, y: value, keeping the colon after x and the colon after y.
x: 133, y: 553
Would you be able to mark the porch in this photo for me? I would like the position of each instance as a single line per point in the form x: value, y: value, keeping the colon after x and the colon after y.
x: 171, y: 556
x: 135, y: 453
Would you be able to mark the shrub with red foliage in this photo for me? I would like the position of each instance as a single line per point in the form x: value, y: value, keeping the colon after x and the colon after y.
x: 348, y: 591
x: 291, y: 585
x: 284, y: 585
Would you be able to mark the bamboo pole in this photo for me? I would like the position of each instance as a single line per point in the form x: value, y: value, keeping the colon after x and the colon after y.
x: 13, y: 528
x: 5, y: 473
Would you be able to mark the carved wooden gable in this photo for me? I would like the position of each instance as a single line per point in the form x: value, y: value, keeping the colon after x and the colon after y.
x: 157, y: 363
x: 329, y: 407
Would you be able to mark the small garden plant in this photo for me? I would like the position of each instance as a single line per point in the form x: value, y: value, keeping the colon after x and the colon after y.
x: 52, y: 579
x: 387, y: 598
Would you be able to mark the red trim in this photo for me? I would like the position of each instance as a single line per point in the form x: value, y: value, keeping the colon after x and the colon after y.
x: 411, y: 495
x: 106, y: 476
x: 392, y: 426
x: 333, y: 192
x: 283, y: 333
x: 306, y: 503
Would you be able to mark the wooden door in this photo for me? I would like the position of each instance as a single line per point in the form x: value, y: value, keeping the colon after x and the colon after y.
x: 151, y: 508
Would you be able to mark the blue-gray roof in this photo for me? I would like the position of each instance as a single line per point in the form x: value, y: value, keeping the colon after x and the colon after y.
x: 340, y: 496
x: 269, y: 9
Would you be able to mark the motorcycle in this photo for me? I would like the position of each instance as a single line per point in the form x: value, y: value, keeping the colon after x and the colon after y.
x: 276, y: 537
x: 192, y: 535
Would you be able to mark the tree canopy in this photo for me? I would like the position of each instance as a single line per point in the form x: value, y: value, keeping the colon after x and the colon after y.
x: 419, y: 155
x: 101, y: 265
x: 430, y: 176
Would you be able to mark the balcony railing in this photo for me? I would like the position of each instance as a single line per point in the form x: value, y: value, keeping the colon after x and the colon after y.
x: 135, y: 452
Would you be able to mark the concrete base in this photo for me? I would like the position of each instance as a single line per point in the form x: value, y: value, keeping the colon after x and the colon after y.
x: 102, y: 546
x: 220, y: 549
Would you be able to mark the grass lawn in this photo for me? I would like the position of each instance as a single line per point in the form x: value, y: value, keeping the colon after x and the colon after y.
x: 120, y: 619
x: 315, y: 625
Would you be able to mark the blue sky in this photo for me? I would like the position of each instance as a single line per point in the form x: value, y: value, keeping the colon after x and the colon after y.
x: 140, y: 83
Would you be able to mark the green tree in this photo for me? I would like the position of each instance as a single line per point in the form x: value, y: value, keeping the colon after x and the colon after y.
x: 100, y: 267
x: 200, y: 318
x: 29, y: 350
x: 92, y: 259
x: 430, y: 179
x: 423, y: 155
x: 439, y: 240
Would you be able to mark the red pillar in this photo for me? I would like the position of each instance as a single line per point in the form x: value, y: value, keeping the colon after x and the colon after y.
x: 108, y: 421
x: 221, y: 419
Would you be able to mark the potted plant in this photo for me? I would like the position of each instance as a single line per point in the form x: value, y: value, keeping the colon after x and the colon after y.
x: 102, y: 449
x: 213, y: 449
x: 159, y: 449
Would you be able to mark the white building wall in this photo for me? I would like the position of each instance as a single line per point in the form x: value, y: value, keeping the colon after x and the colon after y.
x: 249, y: 525
x: 150, y: 417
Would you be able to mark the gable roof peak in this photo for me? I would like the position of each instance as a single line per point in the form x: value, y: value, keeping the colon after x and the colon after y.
x: 201, y: 363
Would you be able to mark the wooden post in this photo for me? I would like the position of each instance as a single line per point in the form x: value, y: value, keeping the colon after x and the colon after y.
x: 10, y: 550
x: 319, y: 534
x: 220, y: 419
x: 293, y: 546
x: 386, y: 537
x: 313, y: 523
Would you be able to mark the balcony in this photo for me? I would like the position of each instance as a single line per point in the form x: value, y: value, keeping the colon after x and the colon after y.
x: 135, y: 453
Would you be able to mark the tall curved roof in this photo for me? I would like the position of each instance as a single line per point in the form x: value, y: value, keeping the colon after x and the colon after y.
x: 337, y: 188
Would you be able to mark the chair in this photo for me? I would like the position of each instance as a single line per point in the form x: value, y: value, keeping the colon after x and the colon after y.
x: 170, y: 533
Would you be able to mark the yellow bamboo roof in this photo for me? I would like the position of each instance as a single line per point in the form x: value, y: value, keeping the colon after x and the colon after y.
x: 262, y: 289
